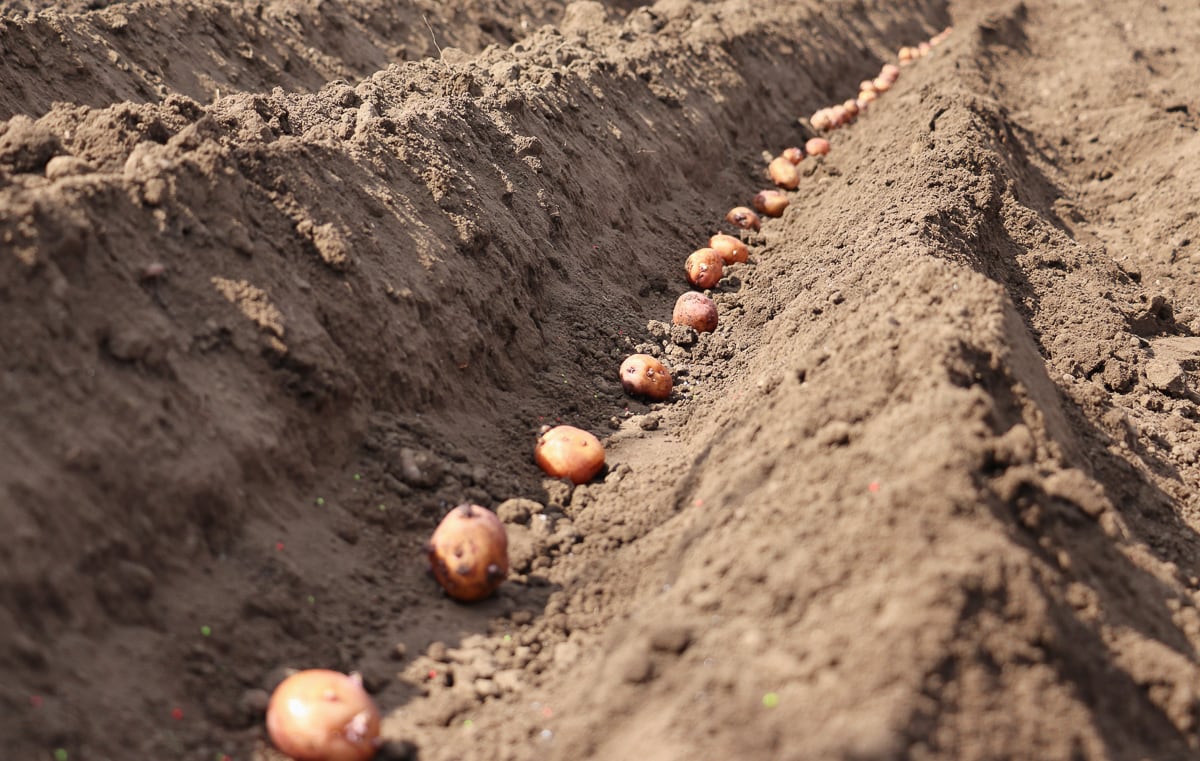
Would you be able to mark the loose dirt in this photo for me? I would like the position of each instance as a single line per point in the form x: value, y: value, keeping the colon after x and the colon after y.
x: 281, y: 283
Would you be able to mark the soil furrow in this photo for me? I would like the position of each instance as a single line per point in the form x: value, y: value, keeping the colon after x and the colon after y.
x: 322, y: 259
x: 928, y: 492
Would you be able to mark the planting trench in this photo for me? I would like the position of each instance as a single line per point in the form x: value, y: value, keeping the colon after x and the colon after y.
x: 929, y: 491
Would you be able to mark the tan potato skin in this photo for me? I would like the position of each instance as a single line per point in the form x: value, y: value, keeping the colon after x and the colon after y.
x: 696, y: 311
x: 731, y: 249
x: 771, y: 203
x: 643, y: 375
x: 569, y: 452
x: 468, y: 553
x: 704, y: 268
x: 817, y: 146
x: 742, y: 217
x: 784, y: 173
x: 323, y: 715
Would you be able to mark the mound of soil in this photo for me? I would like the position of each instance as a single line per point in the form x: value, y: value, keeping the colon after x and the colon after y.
x: 280, y: 284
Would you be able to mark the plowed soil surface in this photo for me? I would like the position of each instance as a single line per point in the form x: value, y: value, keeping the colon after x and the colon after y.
x: 281, y: 283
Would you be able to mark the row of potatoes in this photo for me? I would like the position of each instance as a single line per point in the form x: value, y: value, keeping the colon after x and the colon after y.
x: 645, y: 376
x: 323, y: 715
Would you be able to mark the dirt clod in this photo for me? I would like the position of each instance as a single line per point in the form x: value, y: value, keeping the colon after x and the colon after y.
x: 27, y: 146
x: 1166, y: 375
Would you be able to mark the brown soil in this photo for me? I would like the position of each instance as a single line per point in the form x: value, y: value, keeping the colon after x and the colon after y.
x: 280, y: 285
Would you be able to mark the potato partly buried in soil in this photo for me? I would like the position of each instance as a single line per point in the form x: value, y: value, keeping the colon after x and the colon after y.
x: 705, y: 267
x: 565, y: 451
x: 468, y: 553
x: 746, y: 219
x: 783, y: 173
x: 817, y: 146
x: 771, y: 203
x: 731, y: 249
x: 323, y: 715
x: 696, y: 311
x: 643, y: 375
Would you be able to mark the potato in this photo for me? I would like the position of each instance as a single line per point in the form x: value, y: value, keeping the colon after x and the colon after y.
x: 565, y: 451
x: 793, y: 154
x: 740, y: 216
x: 771, y: 202
x: 731, y: 249
x: 643, y: 375
x: 468, y: 553
x: 704, y: 268
x: 817, y: 146
x: 322, y: 715
x: 784, y: 173
x: 695, y: 310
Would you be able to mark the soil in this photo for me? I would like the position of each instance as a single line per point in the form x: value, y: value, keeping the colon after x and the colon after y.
x: 282, y: 283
